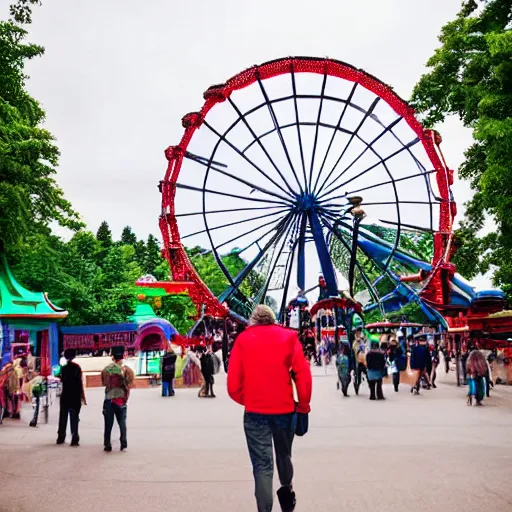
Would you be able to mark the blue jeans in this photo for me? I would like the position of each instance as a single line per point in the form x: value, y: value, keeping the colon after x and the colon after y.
x: 110, y: 411
x: 260, y: 431
x: 167, y: 388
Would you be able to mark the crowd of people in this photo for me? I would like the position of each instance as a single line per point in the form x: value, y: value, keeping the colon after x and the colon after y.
x: 388, y: 357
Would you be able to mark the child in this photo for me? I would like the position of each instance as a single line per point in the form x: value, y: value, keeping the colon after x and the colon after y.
x: 343, y: 367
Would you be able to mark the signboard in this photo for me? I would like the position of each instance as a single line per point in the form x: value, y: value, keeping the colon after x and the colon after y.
x: 99, y: 341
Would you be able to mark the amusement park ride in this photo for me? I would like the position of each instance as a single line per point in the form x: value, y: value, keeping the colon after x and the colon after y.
x: 291, y: 157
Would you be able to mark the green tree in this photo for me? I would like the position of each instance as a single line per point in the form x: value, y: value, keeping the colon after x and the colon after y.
x: 21, y: 11
x: 104, y: 235
x: 179, y: 310
x: 128, y: 237
x: 30, y: 199
x: 153, y: 255
x: 140, y: 254
x: 471, y: 76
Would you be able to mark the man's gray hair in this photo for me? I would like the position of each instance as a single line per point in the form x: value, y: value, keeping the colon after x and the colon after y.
x: 262, y: 315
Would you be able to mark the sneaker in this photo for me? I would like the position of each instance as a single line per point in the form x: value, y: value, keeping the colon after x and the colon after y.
x: 75, y: 442
x: 60, y: 440
x: 124, y: 445
x: 107, y: 448
x: 287, y: 499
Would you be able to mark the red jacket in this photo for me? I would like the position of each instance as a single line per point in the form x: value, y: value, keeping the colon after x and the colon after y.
x: 259, y: 371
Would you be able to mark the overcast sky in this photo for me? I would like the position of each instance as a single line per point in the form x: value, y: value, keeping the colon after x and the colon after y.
x: 118, y: 75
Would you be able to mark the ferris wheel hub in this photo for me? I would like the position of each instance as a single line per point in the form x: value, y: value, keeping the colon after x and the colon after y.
x: 306, y: 202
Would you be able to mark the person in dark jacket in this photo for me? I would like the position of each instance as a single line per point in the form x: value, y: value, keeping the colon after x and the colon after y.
x: 208, y: 370
x: 71, y: 398
x: 434, y: 356
x: 168, y: 372
x: 397, y: 360
x: 376, y: 364
x: 420, y: 353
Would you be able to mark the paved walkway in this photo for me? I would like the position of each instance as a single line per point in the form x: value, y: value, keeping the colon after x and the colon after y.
x: 430, y: 452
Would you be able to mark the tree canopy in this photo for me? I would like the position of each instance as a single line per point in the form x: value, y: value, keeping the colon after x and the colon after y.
x: 30, y: 199
x: 470, y: 75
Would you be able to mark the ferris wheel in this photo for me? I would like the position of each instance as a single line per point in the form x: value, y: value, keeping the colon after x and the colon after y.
x: 300, y: 167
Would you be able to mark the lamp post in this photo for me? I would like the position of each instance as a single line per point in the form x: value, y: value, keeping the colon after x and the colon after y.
x: 358, y: 214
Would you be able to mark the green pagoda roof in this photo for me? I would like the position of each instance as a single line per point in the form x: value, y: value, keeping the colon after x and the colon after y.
x: 143, y: 312
x: 18, y: 302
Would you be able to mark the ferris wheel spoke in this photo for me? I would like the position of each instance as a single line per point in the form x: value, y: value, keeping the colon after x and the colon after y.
x: 411, y: 226
x: 277, y: 127
x: 297, y: 123
x: 258, y: 141
x: 226, y: 194
x: 338, y: 236
x: 191, y: 214
x: 388, y: 128
x: 252, y: 231
x: 302, y: 123
x: 224, y: 139
x: 204, y: 162
x: 239, y: 279
x: 280, y: 212
x: 368, y: 169
x: 400, y: 202
x: 310, y: 182
x: 367, y: 114
x: 369, y: 187
x: 337, y: 127
x: 276, y: 261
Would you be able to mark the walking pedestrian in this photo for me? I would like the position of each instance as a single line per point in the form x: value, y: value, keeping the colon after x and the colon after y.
x: 360, y: 348
x: 376, y: 364
x: 9, y: 393
x: 71, y: 399
x: 344, y: 367
x: 397, y: 361
x: 419, y: 356
x: 266, y: 364
x: 446, y: 358
x: 117, y: 379
x: 208, y: 370
x: 168, y: 372
x: 434, y: 357
x: 476, y: 369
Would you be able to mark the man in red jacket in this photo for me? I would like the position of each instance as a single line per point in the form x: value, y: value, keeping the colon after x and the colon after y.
x: 262, y: 363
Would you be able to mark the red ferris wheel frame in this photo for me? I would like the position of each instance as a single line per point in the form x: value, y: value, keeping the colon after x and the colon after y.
x: 183, y: 273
